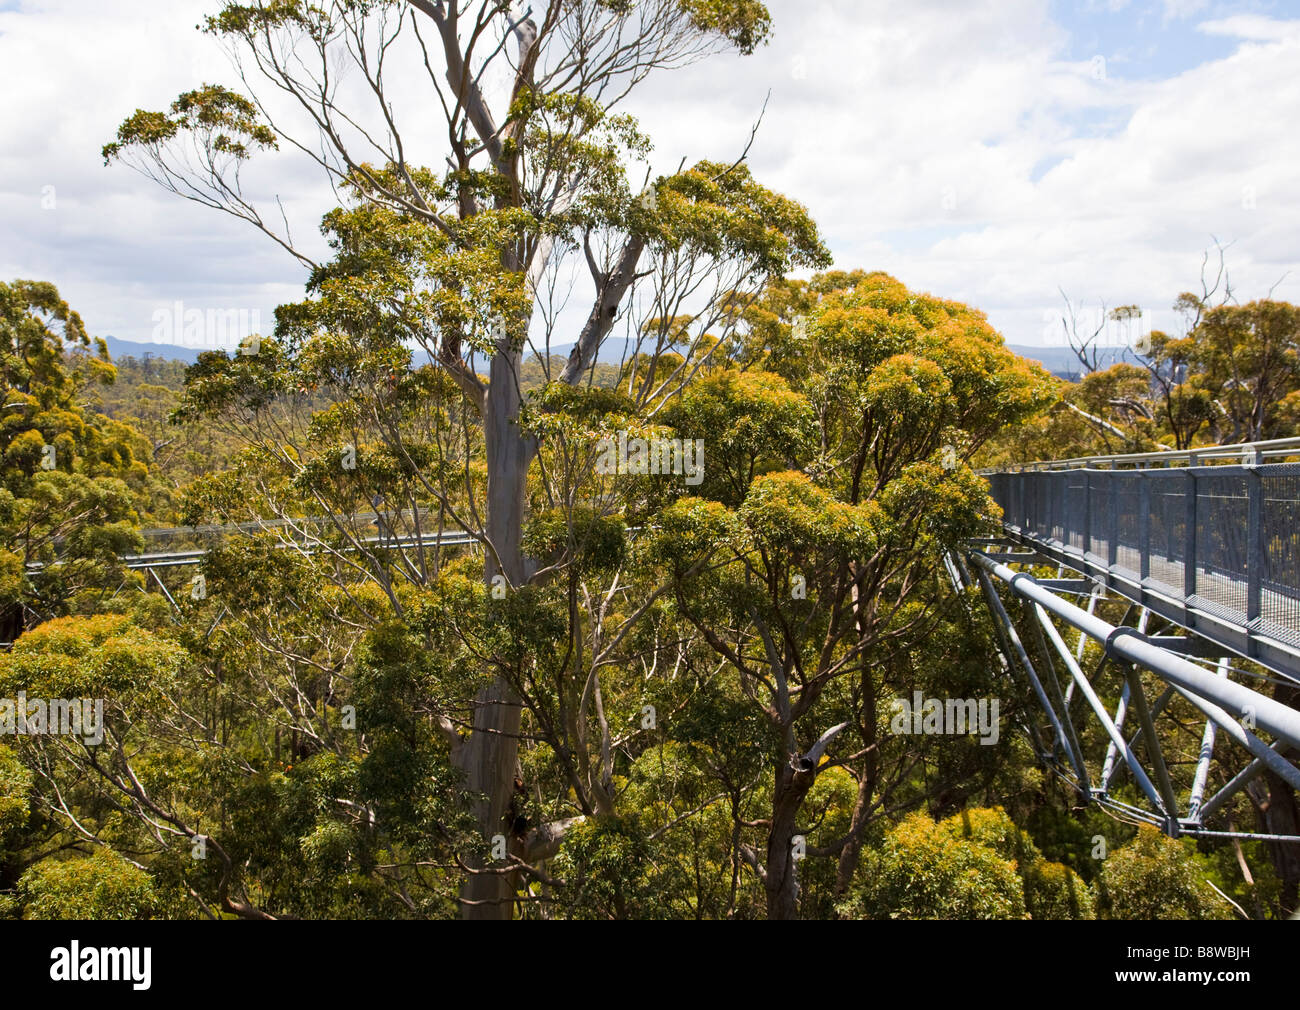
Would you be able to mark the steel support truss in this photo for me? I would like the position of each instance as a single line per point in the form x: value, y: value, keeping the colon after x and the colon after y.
x: 1264, y: 733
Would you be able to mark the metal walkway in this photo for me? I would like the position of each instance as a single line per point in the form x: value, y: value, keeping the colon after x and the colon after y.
x: 1214, y: 551
x: 399, y: 530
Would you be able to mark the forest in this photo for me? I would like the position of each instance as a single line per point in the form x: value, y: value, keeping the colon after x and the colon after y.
x: 433, y: 657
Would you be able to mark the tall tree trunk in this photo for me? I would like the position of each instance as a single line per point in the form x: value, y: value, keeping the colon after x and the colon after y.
x: 1279, y: 814
x: 852, y: 851
x: 849, y: 855
x: 782, y: 870
x: 489, y: 756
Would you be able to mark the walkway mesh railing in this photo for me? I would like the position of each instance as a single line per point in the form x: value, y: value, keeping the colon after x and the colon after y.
x: 1222, y: 540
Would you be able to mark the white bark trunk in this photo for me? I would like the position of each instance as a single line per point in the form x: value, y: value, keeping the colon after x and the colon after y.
x: 490, y: 753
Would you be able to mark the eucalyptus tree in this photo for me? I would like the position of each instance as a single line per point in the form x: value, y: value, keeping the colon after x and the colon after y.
x: 809, y: 561
x: 482, y: 158
x: 74, y: 480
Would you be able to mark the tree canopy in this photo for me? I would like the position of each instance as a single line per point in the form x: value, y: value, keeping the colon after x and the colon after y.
x: 472, y: 617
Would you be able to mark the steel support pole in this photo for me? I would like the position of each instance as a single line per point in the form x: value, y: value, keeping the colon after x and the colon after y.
x: 1274, y: 760
x: 1129, y: 645
x: 1008, y: 662
x: 1087, y: 513
x: 1000, y: 613
x: 1075, y: 751
x: 1203, y: 758
x: 164, y: 589
x: 1117, y: 738
x: 1154, y: 753
x: 1156, y: 709
x: 1121, y: 713
x: 1083, y: 641
x: 1144, y: 529
x: 1236, y: 783
x: 1256, y: 553
x: 1189, y: 544
x: 1112, y: 545
x: 1109, y: 767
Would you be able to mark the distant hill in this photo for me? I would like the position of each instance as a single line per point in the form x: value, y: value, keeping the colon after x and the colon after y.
x: 612, y: 351
x: 1057, y: 360
x: 118, y: 348
x: 1062, y: 361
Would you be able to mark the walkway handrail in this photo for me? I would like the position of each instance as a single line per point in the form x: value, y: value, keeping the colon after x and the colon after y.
x: 1215, y: 549
x: 1251, y: 452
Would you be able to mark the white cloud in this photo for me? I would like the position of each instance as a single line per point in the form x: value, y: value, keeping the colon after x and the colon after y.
x: 1251, y: 26
x: 1180, y: 9
x: 983, y: 105
x: 117, y: 247
x: 962, y: 149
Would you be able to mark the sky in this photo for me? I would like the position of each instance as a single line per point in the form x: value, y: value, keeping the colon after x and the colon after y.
x: 996, y: 152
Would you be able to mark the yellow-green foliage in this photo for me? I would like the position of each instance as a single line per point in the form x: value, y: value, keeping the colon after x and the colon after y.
x: 789, y: 509
x: 921, y: 871
x: 582, y: 535
x: 15, y: 781
x: 993, y: 827
x: 607, y: 865
x: 103, y: 886
x: 749, y: 421
x: 1156, y: 877
x: 1054, y: 891
x: 105, y: 656
x: 71, y: 481
x: 973, y: 865
x: 690, y: 527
